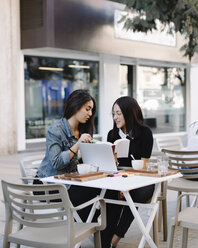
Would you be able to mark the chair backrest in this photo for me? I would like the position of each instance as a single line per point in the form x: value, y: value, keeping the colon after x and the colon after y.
x: 21, y: 204
x: 192, y: 138
x: 172, y: 143
x: 29, y: 166
x: 184, y: 161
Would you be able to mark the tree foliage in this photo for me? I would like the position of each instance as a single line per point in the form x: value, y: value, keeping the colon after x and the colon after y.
x: 182, y: 13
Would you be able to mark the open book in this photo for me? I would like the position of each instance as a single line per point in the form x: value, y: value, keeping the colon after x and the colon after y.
x: 120, y: 146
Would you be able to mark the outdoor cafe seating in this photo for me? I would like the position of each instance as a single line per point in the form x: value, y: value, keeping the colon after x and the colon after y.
x: 56, y: 228
x: 187, y: 218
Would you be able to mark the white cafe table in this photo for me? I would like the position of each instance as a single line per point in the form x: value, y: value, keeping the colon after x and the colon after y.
x: 125, y: 184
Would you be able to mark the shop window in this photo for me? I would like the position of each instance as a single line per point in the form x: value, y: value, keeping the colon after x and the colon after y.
x: 161, y: 93
x: 126, y: 80
x: 48, y: 82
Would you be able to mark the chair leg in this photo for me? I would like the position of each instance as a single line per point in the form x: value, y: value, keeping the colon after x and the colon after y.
x: 164, y: 215
x: 6, y: 244
x: 185, y: 237
x: 170, y: 236
x: 160, y: 217
x: 179, y: 193
x: 97, y: 240
x: 20, y: 226
x: 7, y: 230
x: 187, y: 201
x: 155, y: 231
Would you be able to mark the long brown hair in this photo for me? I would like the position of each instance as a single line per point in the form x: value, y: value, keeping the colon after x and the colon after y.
x: 74, y: 102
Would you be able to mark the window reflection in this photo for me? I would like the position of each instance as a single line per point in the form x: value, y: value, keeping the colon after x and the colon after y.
x: 48, y: 83
x: 161, y: 94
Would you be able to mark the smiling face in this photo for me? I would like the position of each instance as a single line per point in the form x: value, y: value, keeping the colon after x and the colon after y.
x: 119, y: 118
x: 85, y: 112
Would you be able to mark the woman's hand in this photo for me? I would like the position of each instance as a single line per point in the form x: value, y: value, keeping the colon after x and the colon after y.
x: 85, y: 138
x: 120, y: 195
x: 146, y: 160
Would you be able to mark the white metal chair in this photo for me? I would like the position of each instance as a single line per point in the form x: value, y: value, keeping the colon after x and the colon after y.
x: 172, y: 143
x: 162, y: 214
x: 187, y: 163
x: 184, y: 161
x: 29, y: 166
x: 192, y: 138
x: 187, y: 218
x: 54, y: 229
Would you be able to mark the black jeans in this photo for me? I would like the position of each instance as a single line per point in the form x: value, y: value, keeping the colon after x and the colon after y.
x: 77, y: 195
x: 38, y: 182
x: 119, y: 218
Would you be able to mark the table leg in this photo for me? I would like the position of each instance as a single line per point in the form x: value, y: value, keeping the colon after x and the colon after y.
x: 95, y: 206
x: 76, y: 215
x: 137, y: 217
x: 91, y: 215
x: 155, y: 230
x: 149, y: 224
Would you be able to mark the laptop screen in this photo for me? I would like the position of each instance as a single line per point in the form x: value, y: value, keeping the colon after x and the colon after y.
x: 100, y: 155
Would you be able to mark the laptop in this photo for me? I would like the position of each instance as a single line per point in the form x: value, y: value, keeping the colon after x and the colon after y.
x: 100, y: 155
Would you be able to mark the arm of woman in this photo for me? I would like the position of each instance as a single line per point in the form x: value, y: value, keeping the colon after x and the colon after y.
x: 85, y: 138
x: 61, y: 153
x: 145, y: 162
x: 147, y: 146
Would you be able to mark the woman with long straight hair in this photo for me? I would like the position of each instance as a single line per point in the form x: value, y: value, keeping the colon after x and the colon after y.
x: 62, y: 144
x: 128, y: 123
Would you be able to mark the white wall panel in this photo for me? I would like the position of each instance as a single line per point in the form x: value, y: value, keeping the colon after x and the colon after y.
x: 109, y: 91
x: 9, y: 71
x: 193, y: 94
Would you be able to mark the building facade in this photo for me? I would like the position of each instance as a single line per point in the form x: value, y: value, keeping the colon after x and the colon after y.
x: 51, y: 47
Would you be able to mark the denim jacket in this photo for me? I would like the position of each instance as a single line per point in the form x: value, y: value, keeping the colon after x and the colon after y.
x: 58, y: 141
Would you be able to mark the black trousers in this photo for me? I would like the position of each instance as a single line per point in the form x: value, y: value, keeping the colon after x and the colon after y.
x: 119, y: 218
x: 78, y: 195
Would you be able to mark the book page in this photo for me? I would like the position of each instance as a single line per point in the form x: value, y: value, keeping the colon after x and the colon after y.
x: 102, y: 142
x: 122, y: 148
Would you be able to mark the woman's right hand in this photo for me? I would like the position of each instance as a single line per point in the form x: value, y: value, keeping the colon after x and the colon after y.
x: 85, y: 138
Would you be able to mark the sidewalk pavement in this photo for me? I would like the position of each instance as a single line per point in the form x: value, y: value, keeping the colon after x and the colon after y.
x: 10, y: 171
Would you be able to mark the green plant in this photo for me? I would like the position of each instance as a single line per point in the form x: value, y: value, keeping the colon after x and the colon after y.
x: 182, y: 13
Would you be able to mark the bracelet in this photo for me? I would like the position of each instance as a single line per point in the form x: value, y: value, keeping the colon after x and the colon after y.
x: 72, y: 151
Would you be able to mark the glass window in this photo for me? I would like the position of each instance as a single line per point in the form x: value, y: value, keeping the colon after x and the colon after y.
x: 126, y: 80
x: 160, y: 91
x: 48, y: 82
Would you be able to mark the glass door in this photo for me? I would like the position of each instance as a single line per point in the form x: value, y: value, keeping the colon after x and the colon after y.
x: 126, y: 80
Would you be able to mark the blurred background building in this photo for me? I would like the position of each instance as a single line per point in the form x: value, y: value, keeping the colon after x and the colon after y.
x: 51, y: 47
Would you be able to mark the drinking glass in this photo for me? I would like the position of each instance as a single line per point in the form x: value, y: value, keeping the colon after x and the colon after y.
x: 150, y: 166
x: 162, y: 164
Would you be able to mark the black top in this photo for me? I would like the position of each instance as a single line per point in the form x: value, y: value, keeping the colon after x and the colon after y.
x: 140, y: 147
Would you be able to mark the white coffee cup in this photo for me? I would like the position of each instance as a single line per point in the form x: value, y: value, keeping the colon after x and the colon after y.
x: 83, y: 168
x: 94, y: 168
x: 137, y: 164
